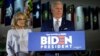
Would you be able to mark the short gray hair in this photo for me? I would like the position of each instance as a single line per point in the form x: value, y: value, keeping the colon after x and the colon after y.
x: 55, y: 2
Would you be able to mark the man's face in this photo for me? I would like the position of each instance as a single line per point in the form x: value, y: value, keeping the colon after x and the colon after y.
x: 57, y: 10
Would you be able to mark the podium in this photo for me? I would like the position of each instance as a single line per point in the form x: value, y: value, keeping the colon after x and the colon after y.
x: 56, y: 41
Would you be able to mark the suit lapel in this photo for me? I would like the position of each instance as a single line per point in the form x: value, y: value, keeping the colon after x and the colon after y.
x: 61, y: 28
x: 62, y: 25
x: 51, y: 25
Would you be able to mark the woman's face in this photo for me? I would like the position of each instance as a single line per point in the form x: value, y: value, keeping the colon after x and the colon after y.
x: 21, y: 22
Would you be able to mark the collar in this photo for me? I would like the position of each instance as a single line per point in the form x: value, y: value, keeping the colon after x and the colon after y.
x: 60, y: 20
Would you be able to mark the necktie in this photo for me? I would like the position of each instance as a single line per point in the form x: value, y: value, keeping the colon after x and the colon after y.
x: 56, y: 26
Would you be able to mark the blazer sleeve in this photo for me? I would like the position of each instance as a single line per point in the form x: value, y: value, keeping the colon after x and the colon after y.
x: 44, y: 27
x: 9, y: 47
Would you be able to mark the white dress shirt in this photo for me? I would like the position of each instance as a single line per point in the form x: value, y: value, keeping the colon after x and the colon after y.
x: 59, y: 20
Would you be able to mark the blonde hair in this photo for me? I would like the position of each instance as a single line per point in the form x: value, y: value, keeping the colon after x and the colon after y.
x: 15, y: 19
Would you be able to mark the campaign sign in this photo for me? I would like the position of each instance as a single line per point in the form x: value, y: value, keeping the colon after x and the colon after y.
x: 54, y: 41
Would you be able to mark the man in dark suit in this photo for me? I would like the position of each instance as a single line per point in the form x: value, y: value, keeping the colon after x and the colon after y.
x: 56, y: 24
x: 57, y: 13
x: 65, y: 26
